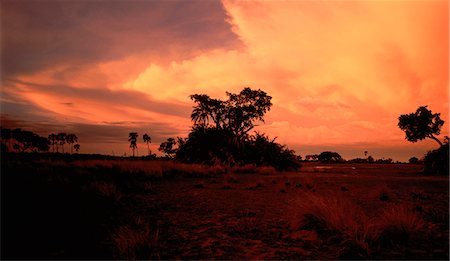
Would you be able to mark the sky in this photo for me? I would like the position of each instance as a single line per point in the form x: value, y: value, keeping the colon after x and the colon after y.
x: 339, y: 72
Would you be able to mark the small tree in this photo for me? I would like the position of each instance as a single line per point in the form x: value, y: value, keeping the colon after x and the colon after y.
x: 330, y: 157
x: 61, y: 138
x: 413, y: 160
x: 168, y: 147
x: 133, y: 140
x: 147, y: 140
x: 76, y: 147
x: 421, y: 124
x: 71, y: 139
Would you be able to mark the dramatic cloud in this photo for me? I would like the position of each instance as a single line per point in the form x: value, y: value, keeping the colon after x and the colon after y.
x: 340, y: 72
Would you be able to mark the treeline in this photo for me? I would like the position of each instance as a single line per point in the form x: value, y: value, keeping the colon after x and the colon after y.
x: 18, y: 140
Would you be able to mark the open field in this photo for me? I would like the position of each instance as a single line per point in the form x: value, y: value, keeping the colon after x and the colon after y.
x: 163, y: 210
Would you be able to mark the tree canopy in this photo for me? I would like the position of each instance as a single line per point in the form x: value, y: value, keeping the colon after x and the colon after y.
x: 238, y: 113
x: 421, y: 124
x: 220, y: 133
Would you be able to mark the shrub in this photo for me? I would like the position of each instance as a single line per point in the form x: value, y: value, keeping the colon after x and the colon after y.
x: 398, y: 225
x: 132, y: 244
x: 437, y: 161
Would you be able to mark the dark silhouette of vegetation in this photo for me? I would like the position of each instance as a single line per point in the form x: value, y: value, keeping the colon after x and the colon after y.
x: 71, y: 139
x: 437, y: 161
x: 76, y: 147
x: 167, y: 147
x: 147, y: 139
x: 19, y: 140
x: 52, y: 138
x: 413, y: 160
x: 421, y: 124
x: 330, y: 157
x: 133, y: 140
x: 220, y: 134
x: 61, y: 138
x: 236, y: 114
x: 425, y: 124
x: 313, y: 157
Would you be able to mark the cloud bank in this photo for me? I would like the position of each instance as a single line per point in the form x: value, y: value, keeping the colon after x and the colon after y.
x: 340, y: 73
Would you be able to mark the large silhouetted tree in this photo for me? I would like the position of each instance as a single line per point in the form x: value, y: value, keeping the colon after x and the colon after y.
x: 238, y: 113
x: 147, y: 139
x: 133, y: 140
x: 421, y: 124
x: 220, y: 133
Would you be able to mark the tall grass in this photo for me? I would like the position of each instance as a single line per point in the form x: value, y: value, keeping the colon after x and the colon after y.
x: 338, y: 220
x: 153, y: 168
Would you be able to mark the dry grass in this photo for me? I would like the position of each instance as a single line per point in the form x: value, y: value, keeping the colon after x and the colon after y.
x: 132, y: 244
x: 335, y: 217
x: 153, y: 168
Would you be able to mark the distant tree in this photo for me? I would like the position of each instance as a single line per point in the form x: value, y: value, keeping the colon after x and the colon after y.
x: 76, y: 147
x: 330, y: 157
x: 133, y: 140
x: 61, y: 138
x: 313, y: 157
x: 147, y: 140
x: 370, y: 159
x: 421, y: 124
x: 71, y: 139
x: 168, y: 148
x: 413, y: 160
x: 53, y: 139
x: 365, y: 153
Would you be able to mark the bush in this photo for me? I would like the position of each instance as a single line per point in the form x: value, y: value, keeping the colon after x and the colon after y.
x: 436, y: 161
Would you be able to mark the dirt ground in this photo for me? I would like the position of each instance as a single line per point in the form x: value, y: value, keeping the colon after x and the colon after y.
x: 133, y: 210
x: 253, y: 216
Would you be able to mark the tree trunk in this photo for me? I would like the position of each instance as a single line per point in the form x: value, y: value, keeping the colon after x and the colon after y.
x: 436, y: 139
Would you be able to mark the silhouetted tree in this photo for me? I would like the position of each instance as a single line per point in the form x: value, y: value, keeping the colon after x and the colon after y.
x: 24, y: 141
x: 76, y: 147
x: 61, y: 138
x: 167, y: 147
x: 365, y: 153
x: 147, y: 140
x: 53, y: 139
x: 370, y: 159
x: 330, y: 157
x: 133, y: 140
x: 413, y: 160
x: 238, y: 113
x: 421, y: 124
x: 220, y: 133
x: 71, y: 139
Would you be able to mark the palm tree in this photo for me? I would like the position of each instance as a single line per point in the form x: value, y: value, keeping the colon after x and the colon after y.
x: 76, y: 147
x: 365, y: 153
x: 147, y: 140
x: 61, y: 138
x: 52, y: 138
x: 133, y: 139
x: 71, y: 139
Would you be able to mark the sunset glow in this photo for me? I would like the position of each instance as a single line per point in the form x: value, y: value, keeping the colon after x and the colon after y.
x: 340, y: 72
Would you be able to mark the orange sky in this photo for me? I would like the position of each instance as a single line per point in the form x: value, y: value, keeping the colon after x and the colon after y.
x: 340, y: 72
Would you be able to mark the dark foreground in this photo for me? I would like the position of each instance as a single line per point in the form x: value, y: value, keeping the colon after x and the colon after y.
x: 105, y: 209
